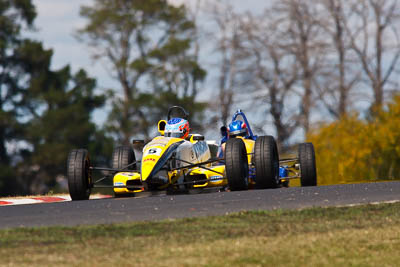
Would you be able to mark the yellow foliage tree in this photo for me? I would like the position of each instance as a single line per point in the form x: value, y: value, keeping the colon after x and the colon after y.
x: 354, y: 150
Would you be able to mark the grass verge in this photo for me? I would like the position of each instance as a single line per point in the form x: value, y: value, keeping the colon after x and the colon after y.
x: 361, y: 236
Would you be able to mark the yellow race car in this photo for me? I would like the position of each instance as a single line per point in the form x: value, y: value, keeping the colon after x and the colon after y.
x: 171, y: 161
x: 176, y: 161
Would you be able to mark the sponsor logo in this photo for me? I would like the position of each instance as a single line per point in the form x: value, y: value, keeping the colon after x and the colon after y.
x: 119, y: 184
x: 216, y: 178
x: 149, y: 159
x: 174, y: 121
x: 154, y: 151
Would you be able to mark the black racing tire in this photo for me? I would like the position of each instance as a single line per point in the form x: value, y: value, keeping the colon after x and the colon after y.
x: 79, y: 174
x: 236, y: 164
x: 266, y: 161
x: 308, y: 170
x: 122, y: 157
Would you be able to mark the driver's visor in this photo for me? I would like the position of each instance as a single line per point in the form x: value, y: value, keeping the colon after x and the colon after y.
x: 174, y: 134
x: 238, y: 132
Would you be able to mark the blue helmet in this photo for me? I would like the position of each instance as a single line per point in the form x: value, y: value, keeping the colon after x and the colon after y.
x: 237, y: 128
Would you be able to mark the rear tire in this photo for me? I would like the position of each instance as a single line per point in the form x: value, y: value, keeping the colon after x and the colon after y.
x: 122, y: 157
x: 236, y: 164
x: 79, y: 175
x: 266, y: 161
x: 308, y: 169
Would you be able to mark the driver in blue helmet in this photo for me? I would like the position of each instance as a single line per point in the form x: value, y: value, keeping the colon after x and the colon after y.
x: 238, y: 128
x: 235, y: 128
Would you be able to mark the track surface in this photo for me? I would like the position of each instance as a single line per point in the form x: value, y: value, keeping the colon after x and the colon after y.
x: 105, y: 211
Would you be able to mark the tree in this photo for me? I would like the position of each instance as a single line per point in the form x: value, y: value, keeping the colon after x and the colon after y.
x: 66, y: 103
x: 359, y: 150
x: 283, y: 51
x: 305, y: 41
x: 228, y: 46
x: 376, y: 42
x: 14, y: 15
x: 52, y: 116
x: 43, y: 113
x: 276, y: 74
x: 147, y: 45
x: 339, y: 76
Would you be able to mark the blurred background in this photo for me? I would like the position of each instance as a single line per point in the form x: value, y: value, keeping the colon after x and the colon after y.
x: 97, y: 73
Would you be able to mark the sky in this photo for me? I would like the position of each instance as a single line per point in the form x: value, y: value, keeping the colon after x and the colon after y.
x: 58, y: 20
x: 56, y: 23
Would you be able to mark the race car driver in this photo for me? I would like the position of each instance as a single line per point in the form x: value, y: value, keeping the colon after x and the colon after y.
x: 177, y: 127
x: 235, y: 128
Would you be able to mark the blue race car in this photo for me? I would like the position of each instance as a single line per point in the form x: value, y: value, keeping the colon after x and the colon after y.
x: 252, y: 161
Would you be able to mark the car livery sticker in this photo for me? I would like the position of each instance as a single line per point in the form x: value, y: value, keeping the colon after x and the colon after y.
x: 216, y: 178
x: 119, y: 184
x: 174, y: 120
x: 127, y: 174
x: 153, y: 151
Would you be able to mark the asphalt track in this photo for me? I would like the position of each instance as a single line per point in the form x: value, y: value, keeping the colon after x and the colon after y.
x: 106, y: 211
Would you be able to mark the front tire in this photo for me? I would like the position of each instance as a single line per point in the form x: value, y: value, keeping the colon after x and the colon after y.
x: 123, y: 157
x: 79, y: 175
x: 308, y: 168
x: 236, y: 164
x: 266, y: 161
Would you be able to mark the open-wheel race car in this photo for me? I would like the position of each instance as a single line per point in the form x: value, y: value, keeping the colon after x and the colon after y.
x: 177, y: 161
x: 263, y: 168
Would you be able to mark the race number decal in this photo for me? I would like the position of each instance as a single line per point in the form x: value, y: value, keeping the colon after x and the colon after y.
x: 152, y: 151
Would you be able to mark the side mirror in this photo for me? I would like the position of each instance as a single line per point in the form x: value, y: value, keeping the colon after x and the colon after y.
x: 198, y: 137
x: 161, y: 126
x: 137, y: 142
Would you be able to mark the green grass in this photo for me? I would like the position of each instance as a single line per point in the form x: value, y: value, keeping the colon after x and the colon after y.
x: 357, y: 236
